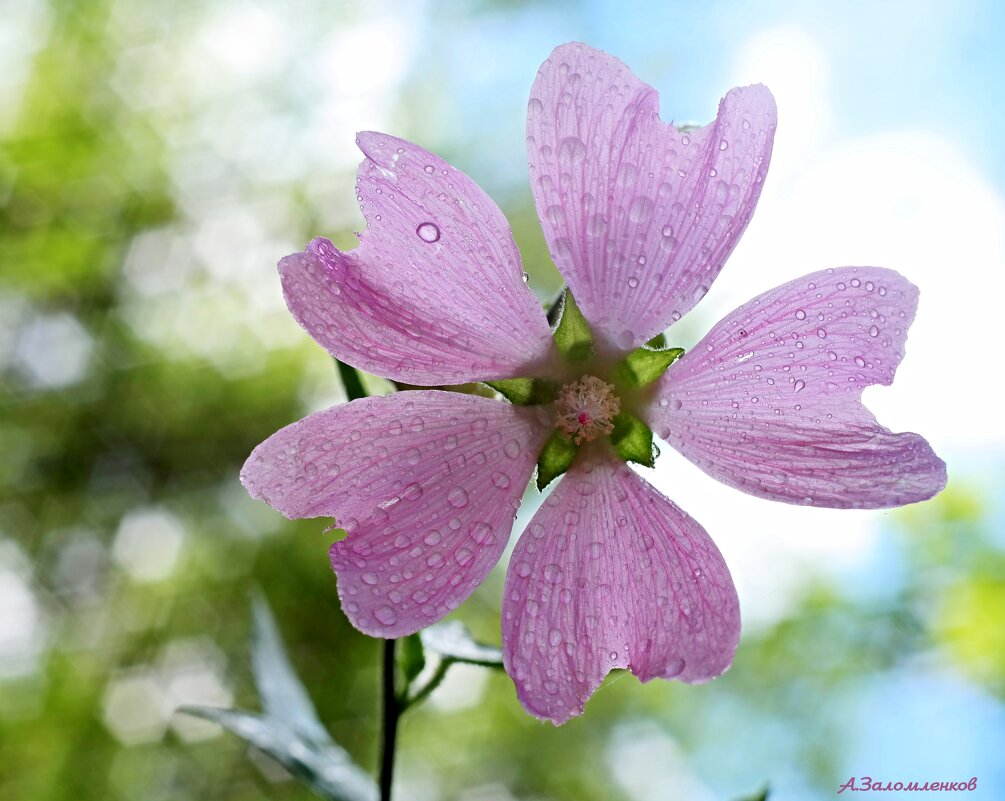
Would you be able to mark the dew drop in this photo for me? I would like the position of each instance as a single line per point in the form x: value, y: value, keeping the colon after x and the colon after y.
x: 634, y: 280
x: 433, y: 537
x: 874, y: 331
x: 430, y: 169
x: 640, y: 210
x: 674, y: 668
x: 799, y: 386
x: 800, y: 314
x: 386, y: 615
x: 457, y: 498
x: 860, y: 361
x: 428, y: 232
x: 552, y: 573
x: 822, y: 333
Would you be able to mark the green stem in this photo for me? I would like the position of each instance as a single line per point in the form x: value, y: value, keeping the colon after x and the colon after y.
x: 390, y: 713
x: 434, y: 681
x: 350, y: 380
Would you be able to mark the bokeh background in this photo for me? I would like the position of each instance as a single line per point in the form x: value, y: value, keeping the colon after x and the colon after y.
x: 157, y: 159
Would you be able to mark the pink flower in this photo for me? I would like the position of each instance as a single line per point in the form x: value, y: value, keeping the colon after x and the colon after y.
x: 640, y: 218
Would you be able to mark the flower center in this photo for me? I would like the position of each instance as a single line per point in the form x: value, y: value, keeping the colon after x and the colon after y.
x: 586, y: 409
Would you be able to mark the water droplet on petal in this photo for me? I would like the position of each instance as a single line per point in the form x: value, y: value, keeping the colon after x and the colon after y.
x: 800, y: 314
x: 799, y: 386
x: 457, y: 498
x: 428, y: 232
x: 386, y: 615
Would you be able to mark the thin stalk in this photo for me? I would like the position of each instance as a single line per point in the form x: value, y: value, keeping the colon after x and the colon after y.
x: 350, y: 380
x: 390, y: 712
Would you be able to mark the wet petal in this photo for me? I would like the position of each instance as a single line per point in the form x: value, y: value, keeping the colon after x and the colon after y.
x: 611, y: 574
x: 770, y: 401
x: 426, y: 483
x: 434, y: 294
x: 639, y: 216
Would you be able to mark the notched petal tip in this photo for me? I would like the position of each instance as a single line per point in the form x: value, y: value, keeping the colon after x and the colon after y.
x: 405, y: 304
x: 786, y: 422
x: 682, y: 198
x: 612, y: 575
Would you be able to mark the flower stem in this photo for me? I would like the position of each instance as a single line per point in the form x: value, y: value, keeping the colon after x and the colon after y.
x: 350, y: 380
x: 390, y: 712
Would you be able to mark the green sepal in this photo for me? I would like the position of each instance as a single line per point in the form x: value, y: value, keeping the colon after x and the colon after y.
x: 633, y: 440
x: 556, y: 457
x: 659, y: 341
x: 525, y: 391
x: 644, y: 365
x: 411, y: 657
x: 572, y: 335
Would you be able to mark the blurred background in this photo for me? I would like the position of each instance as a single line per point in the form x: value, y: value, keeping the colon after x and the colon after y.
x: 157, y: 159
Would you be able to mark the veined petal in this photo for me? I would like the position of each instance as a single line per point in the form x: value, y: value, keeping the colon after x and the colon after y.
x: 639, y: 216
x: 426, y: 483
x: 434, y: 294
x: 611, y: 574
x: 770, y: 401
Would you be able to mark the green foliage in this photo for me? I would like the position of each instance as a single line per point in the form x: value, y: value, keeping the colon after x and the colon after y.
x: 289, y: 730
x: 411, y: 657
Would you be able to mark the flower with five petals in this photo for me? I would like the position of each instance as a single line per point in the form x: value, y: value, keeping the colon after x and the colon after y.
x: 640, y: 218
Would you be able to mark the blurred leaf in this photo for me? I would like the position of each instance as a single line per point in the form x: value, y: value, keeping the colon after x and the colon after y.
x: 289, y: 730
x: 411, y: 657
x: 283, y: 696
x: 761, y: 796
x: 452, y: 640
x: 326, y: 769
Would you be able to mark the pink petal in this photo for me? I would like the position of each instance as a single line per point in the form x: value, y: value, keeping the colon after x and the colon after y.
x: 611, y: 574
x: 639, y: 216
x: 434, y: 294
x: 770, y: 401
x: 426, y: 483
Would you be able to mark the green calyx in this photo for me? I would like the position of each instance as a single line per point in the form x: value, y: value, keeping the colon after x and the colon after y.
x: 573, y: 337
x: 601, y: 403
x: 633, y: 440
x: 556, y: 457
x: 525, y: 391
x: 644, y: 365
